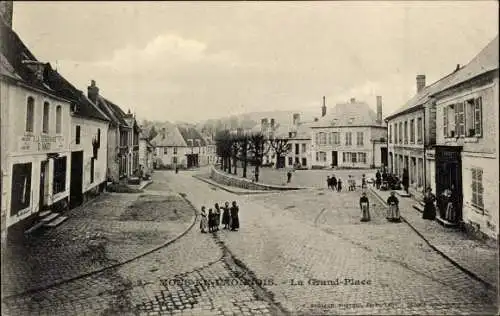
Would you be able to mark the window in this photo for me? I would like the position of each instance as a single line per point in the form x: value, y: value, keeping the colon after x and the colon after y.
x: 58, y: 119
x: 297, y: 147
x: 412, y: 131
x: 317, y: 156
x: 359, y: 138
x: 395, y: 133
x: 419, y: 130
x: 400, y: 133
x: 175, y: 150
x: 353, y: 157
x: 450, y: 120
x: 406, y: 132
x: 297, y: 161
x: 390, y: 133
x: 330, y: 138
x: 346, y: 157
x: 303, y: 148
x: 362, y: 157
x: 91, y: 170
x: 420, y: 172
x: 290, y: 161
x: 473, y: 117
x: 98, y: 138
x: 21, y: 188
x: 478, y: 116
x: 317, y: 138
x: 322, y: 156
x: 336, y: 138
x: 348, y: 138
x: 165, y: 150
x: 445, y: 121
x: 477, y: 188
x: 45, y: 121
x: 77, y: 134
x: 59, y: 183
x: 304, y: 161
x: 322, y: 138
x: 459, y: 119
x: 30, y: 111
x: 174, y: 159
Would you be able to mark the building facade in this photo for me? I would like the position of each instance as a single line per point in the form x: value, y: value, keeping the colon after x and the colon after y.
x: 467, y: 111
x: 352, y: 136
x: 299, y: 141
x: 35, y: 136
x: 146, y: 155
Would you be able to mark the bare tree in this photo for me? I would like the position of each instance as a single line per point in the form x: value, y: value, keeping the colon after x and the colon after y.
x: 281, y: 148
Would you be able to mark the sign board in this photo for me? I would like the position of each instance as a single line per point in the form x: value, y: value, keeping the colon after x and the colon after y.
x: 40, y: 143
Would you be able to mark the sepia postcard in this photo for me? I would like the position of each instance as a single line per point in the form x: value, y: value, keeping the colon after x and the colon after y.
x: 249, y: 157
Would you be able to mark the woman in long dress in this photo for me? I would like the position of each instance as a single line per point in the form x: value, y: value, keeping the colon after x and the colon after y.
x: 217, y: 216
x: 364, y: 204
x: 235, y: 220
x: 393, y: 211
x: 429, y: 209
x: 203, y: 221
x: 226, y: 216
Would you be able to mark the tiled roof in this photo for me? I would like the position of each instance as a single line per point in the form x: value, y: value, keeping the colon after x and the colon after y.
x: 188, y: 133
x: 348, y: 114
x: 304, y: 131
x: 111, y: 110
x: 85, y: 107
x: 6, y: 68
x: 15, y: 52
x: 169, y: 137
x: 487, y: 60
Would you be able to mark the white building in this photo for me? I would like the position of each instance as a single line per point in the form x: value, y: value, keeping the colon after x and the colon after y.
x: 299, y: 140
x: 351, y: 136
x: 467, y: 144
x: 35, y: 135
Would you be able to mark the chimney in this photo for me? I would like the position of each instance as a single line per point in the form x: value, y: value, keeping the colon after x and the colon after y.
x: 272, y: 123
x: 420, y: 82
x: 296, y: 118
x: 458, y: 68
x: 323, y: 108
x: 353, y: 100
x: 6, y: 12
x: 163, y: 133
x: 379, y: 109
x: 92, y: 91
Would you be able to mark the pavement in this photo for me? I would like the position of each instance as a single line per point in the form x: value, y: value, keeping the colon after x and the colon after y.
x: 285, y: 260
x: 478, y: 258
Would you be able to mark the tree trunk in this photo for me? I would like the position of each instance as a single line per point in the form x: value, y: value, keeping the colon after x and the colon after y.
x: 245, y: 159
x: 235, y: 166
x: 229, y: 164
x: 257, y: 173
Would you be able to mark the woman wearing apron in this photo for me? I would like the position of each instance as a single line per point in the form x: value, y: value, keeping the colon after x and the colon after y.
x: 393, y: 210
x: 364, y: 204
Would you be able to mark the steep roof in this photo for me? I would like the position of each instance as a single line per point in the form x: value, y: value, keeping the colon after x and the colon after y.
x: 487, y: 60
x: 85, y: 107
x: 189, y: 132
x: 15, y: 54
x: 349, y: 114
x: 304, y: 131
x: 111, y: 110
x: 169, y: 135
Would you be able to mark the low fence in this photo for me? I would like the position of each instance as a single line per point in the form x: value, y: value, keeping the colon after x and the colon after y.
x: 234, y: 181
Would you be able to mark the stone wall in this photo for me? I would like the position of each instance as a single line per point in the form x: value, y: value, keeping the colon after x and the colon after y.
x: 234, y: 181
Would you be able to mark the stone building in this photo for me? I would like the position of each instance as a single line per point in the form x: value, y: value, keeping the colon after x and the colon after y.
x: 467, y: 144
x: 299, y: 140
x: 35, y: 136
x: 351, y: 136
x: 146, y: 154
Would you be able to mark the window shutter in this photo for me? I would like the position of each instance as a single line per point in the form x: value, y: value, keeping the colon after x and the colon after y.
x: 478, y: 117
x: 456, y: 120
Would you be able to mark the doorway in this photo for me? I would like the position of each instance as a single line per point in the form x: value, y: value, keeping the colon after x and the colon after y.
x: 76, y: 185
x: 335, y: 159
x: 383, y: 156
x: 449, y: 174
x: 43, y: 181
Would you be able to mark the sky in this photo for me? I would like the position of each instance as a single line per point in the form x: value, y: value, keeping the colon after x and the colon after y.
x: 190, y: 61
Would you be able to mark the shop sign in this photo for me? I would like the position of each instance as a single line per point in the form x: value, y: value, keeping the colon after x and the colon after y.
x: 40, y: 143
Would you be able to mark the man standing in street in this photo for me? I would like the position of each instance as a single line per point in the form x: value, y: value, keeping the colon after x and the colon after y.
x: 288, y: 176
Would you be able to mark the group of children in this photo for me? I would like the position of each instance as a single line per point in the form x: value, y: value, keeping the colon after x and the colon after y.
x: 392, y: 211
x: 212, y: 221
x: 336, y: 183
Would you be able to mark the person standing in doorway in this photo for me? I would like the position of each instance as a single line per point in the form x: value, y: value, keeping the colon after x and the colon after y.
x: 429, y: 209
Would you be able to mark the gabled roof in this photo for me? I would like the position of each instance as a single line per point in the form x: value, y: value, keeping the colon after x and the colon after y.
x: 349, y: 114
x: 190, y: 133
x: 85, y: 107
x: 169, y: 136
x: 15, y: 54
x: 486, y: 61
x: 303, y: 131
x: 111, y: 110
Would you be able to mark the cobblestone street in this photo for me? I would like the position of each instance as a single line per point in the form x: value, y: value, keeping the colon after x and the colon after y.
x: 274, y: 265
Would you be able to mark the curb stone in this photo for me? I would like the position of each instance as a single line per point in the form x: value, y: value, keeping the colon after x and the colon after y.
x: 488, y: 285
x: 115, y: 265
x: 225, y: 188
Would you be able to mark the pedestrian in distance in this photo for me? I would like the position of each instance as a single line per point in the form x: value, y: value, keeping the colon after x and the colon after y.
x: 288, y: 176
x: 363, y: 182
x: 364, y: 205
x: 217, y: 216
x: 406, y: 179
x: 339, y: 185
x: 329, y: 182
x: 203, y: 221
x: 235, y: 220
x: 226, y: 216
x: 334, y: 182
x: 393, y: 210
x: 429, y: 209
x: 378, y: 179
